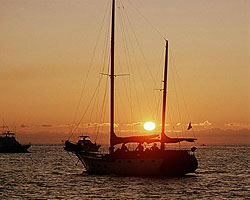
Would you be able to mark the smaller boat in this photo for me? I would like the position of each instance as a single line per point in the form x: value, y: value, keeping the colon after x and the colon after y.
x: 9, y: 144
x: 83, y: 145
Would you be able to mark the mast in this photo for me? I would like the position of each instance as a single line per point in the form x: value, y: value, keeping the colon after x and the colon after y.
x: 164, y: 98
x: 112, y: 76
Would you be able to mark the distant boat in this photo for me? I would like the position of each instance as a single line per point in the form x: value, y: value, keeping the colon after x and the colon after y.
x: 150, y: 162
x: 9, y: 144
x: 84, y: 144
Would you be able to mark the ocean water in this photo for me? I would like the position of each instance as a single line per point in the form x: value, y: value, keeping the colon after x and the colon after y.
x: 48, y: 172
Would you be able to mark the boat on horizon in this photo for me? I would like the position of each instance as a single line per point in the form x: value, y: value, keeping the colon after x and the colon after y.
x: 139, y: 162
x: 9, y: 144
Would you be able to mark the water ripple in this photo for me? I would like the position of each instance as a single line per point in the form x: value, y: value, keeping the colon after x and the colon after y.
x: 50, y: 173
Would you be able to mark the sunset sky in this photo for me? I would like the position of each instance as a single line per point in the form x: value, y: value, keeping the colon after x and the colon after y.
x: 46, y: 48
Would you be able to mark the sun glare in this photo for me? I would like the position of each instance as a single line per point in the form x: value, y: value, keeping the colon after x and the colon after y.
x: 149, y: 126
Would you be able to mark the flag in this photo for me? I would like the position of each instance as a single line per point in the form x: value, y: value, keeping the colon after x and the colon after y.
x: 189, y: 126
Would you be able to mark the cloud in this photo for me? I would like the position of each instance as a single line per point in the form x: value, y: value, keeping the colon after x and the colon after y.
x: 179, y: 127
x: 61, y: 126
x: 130, y: 131
x: 205, y: 123
x: 46, y: 125
x: 237, y: 125
x: 134, y: 124
x: 207, y: 136
x: 96, y: 124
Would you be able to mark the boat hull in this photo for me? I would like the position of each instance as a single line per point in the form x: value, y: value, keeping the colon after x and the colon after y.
x: 71, y: 147
x: 15, y: 149
x: 166, y: 163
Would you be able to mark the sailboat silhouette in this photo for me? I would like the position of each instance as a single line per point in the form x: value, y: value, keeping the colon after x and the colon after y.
x: 156, y: 161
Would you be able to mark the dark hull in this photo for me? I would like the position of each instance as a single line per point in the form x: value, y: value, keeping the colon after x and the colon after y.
x: 15, y: 149
x: 79, y: 148
x: 162, y: 163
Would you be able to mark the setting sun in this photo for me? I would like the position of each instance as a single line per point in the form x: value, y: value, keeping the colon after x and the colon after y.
x: 149, y: 126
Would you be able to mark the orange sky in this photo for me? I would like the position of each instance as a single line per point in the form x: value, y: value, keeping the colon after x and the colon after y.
x: 46, y: 47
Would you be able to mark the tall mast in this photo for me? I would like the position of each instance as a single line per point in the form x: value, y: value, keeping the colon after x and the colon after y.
x: 112, y: 76
x: 164, y: 98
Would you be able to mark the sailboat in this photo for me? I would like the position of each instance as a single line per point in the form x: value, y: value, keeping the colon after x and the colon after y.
x: 154, y: 162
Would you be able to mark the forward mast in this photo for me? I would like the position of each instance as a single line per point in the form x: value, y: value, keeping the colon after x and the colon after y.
x: 163, y: 136
x: 112, y: 77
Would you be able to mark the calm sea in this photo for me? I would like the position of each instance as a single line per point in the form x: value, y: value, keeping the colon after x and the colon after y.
x: 50, y: 173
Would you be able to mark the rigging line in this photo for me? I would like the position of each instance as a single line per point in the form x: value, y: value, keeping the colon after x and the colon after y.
x: 124, y: 47
x: 92, y: 110
x: 117, y: 111
x: 145, y: 61
x: 5, y: 125
x: 105, y: 56
x: 106, y: 52
x: 178, y: 79
x: 144, y: 88
x: 123, y: 80
x: 103, y: 110
x: 104, y: 63
x: 129, y: 63
x: 96, y: 111
x: 148, y: 21
x: 102, y: 116
x: 77, y: 125
x: 140, y: 46
x: 130, y: 102
x: 176, y: 96
x: 138, y: 43
x: 122, y: 105
x: 125, y: 90
x: 160, y: 78
x: 103, y: 107
x: 182, y: 93
x: 158, y: 106
x: 90, y: 65
x: 172, y: 117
